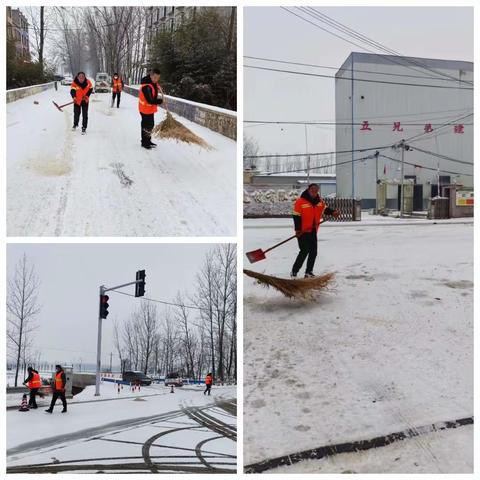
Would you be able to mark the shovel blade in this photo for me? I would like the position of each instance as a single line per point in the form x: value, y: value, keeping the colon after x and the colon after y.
x: 256, y: 255
x: 56, y: 104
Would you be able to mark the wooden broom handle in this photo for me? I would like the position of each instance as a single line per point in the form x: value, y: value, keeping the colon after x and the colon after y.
x: 163, y: 97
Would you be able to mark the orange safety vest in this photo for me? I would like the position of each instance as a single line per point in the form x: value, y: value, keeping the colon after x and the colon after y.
x: 208, y: 380
x: 117, y: 85
x: 310, y: 214
x: 81, y: 93
x: 35, y: 382
x: 58, y: 382
x: 143, y: 106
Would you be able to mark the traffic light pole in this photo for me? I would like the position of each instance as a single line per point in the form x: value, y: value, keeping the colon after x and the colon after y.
x: 99, y: 344
x: 102, y: 292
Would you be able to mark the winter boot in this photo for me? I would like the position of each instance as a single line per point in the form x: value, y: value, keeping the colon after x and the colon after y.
x: 49, y: 411
x: 309, y: 275
x: 293, y: 274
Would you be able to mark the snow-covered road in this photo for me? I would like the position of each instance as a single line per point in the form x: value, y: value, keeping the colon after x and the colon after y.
x: 184, y: 432
x: 104, y: 184
x: 389, y: 348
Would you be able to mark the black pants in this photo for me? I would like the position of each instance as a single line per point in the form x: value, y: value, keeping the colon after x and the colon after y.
x: 116, y: 94
x: 83, y: 107
x: 207, y: 389
x: 32, y: 402
x: 147, y: 125
x: 61, y: 395
x: 308, y: 248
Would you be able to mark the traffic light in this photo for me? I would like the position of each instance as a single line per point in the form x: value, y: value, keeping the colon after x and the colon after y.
x: 104, y: 306
x: 140, y: 286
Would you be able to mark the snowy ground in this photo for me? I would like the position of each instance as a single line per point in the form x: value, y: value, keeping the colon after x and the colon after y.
x: 104, y: 184
x: 159, y: 432
x: 390, y: 347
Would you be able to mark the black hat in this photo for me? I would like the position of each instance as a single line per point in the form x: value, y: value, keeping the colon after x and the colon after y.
x: 58, y: 366
x: 313, y: 185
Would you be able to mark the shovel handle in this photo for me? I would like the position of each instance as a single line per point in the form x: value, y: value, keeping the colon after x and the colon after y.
x: 289, y: 238
x: 281, y: 243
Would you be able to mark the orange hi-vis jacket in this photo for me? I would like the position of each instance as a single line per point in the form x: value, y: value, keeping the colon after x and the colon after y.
x: 310, y: 214
x: 58, y: 382
x: 81, y: 93
x: 35, y: 382
x: 143, y: 106
x: 208, y: 380
x: 117, y: 85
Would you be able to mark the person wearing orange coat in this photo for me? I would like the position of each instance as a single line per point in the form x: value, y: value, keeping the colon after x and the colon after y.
x: 33, y: 382
x: 307, y: 215
x: 208, y: 383
x: 58, y: 388
x: 80, y: 91
x: 148, y: 102
x: 117, y: 87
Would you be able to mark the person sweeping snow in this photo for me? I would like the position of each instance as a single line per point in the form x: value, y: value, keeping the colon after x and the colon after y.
x: 80, y: 90
x: 117, y: 87
x: 33, y: 382
x: 58, y: 389
x: 307, y: 215
x: 148, y: 106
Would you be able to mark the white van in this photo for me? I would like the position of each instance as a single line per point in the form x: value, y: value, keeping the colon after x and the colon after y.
x: 102, y: 82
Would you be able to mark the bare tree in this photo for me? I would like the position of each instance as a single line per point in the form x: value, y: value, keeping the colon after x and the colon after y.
x: 22, y: 307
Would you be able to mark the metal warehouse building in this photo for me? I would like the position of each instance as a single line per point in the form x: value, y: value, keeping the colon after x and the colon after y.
x: 379, y: 102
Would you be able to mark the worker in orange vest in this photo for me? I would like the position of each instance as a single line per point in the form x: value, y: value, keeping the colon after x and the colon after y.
x: 148, y: 106
x: 208, y: 383
x: 117, y: 87
x: 307, y: 214
x: 58, y: 389
x: 33, y: 382
x: 80, y: 90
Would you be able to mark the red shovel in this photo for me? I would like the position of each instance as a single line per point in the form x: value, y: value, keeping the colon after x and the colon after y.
x: 61, y: 106
x: 257, y: 255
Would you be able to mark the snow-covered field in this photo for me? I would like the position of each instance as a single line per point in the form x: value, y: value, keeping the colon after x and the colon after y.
x: 388, y: 348
x: 104, y: 184
x: 157, y: 432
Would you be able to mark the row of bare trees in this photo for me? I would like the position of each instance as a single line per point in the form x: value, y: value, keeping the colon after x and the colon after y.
x: 22, y: 309
x: 192, y: 341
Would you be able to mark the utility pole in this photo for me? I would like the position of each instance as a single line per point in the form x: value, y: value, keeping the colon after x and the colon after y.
x: 402, y: 146
x: 139, y: 292
x: 308, y: 156
x: 377, y: 153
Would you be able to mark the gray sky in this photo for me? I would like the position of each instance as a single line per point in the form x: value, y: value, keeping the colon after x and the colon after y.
x: 70, y: 275
x: 270, y: 32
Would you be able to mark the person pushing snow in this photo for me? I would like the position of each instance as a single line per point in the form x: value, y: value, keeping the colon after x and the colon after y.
x: 81, y: 89
x: 307, y: 215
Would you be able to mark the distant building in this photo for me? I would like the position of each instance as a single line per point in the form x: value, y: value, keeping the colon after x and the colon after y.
x: 377, y: 113
x: 17, y: 31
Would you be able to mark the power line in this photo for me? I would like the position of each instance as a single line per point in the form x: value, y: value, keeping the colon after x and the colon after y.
x: 453, y: 122
x: 385, y: 82
x: 364, y: 39
x: 349, y: 124
x: 443, y: 157
x: 354, y: 70
x: 318, y: 153
x: 193, y: 307
x: 397, y: 115
x: 426, y: 168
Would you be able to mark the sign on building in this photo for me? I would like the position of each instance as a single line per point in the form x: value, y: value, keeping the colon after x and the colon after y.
x: 464, y: 198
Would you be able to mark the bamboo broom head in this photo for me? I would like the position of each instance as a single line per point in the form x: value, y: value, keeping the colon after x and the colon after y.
x: 171, y: 128
x: 293, y: 288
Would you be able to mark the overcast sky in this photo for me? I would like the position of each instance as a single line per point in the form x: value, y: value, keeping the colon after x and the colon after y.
x: 71, y: 274
x: 270, y: 32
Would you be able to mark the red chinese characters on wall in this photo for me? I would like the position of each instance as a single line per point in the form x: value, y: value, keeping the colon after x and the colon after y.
x: 428, y: 127
x: 365, y: 126
x: 396, y: 127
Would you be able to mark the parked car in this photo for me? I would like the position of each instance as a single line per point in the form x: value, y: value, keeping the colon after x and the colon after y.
x: 102, y: 82
x: 174, y: 379
x: 67, y: 80
x: 136, y: 377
